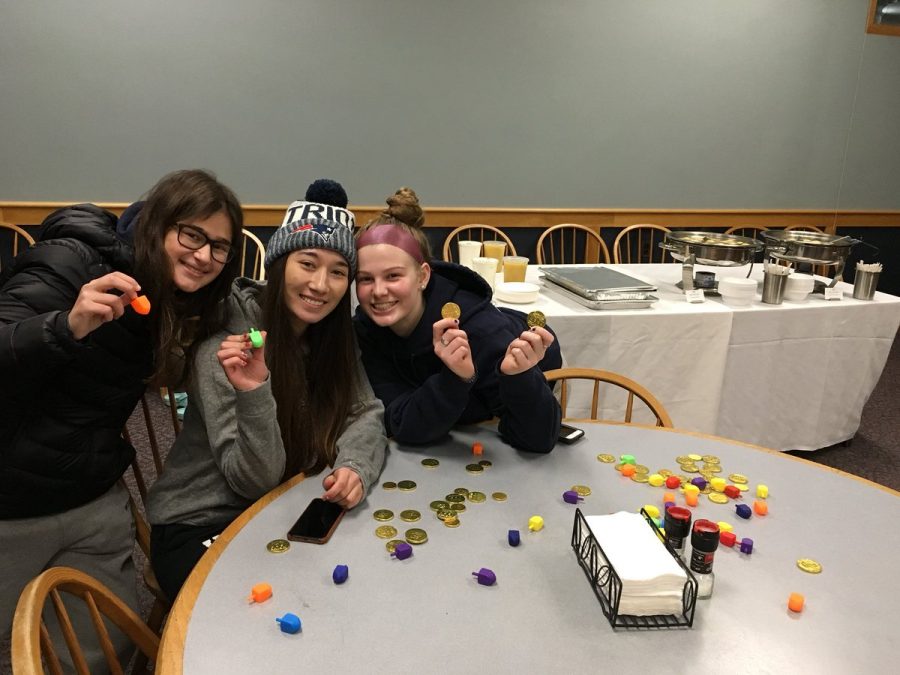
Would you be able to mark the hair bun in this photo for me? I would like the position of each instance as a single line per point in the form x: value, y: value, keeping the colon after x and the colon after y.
x: 404, y: 206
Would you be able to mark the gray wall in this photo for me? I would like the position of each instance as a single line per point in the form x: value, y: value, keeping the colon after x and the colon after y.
x: 603, y: 103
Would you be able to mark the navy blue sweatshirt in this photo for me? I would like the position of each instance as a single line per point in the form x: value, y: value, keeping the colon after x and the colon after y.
x: 423, y: 399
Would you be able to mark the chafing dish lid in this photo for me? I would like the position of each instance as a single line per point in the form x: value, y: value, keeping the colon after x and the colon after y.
x: 696, y: 238
x: 777, y: 237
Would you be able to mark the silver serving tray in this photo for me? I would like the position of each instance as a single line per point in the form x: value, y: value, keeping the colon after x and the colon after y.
x: 610, y: 300
x: 595, y: 283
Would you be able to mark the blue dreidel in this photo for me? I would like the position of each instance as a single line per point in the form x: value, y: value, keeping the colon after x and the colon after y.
x: 289, y: 623
x: 485, y: 576
x: 572, y: 497
x: 513, y: 537
x: 340, y: 574
x: 402, y: 551
x: 743, y: 510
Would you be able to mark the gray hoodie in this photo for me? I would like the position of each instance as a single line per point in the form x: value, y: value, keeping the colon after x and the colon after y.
x: 229, y: 452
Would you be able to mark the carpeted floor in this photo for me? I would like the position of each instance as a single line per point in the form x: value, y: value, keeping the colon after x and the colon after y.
x: 873, y: 454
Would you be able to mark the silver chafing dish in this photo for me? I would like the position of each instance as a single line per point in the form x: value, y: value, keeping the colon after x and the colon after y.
x: 709, y: 248
x: 814, y: 248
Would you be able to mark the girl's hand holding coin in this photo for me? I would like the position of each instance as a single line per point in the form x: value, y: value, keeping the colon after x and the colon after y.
x: 526, y: 351
x: 451, y: 346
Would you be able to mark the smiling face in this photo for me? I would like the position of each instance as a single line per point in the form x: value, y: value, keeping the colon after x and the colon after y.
x: 315, y: 280
x: 389, y: 287
x: 192, y: 270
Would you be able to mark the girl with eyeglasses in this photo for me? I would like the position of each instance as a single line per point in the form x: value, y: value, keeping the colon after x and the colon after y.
x: 76, y: 358
x: 258, y: 416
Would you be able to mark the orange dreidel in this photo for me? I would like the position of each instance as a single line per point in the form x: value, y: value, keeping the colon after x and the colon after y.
x: 477, y: 448
x: 760, y: 507
x: 141, y: 304
x: 795, y: 602
x: 260, y: 593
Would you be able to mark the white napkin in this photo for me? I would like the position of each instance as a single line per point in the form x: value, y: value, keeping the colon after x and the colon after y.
x: 652, y: 580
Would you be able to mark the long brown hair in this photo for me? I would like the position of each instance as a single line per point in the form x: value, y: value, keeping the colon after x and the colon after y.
x: 403, y: 209
x: 180, y: 321
x: 314, y: 377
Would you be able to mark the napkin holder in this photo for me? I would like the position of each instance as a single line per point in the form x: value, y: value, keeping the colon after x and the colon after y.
x: 607, y: 584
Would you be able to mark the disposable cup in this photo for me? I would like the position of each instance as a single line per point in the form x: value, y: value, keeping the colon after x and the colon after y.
x: 487, y: 269
x: 467, y: 251
x: 495, y: 249
x: 514, y: 267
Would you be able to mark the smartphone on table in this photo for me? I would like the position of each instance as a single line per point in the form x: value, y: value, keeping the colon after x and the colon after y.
x: 569, y: 434
x: 317, y: 523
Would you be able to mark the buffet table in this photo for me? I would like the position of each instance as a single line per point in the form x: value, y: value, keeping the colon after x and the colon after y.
x: 427, y: 614
x: 793, y: 376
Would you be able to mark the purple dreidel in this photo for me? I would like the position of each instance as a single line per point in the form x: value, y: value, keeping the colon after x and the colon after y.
x: 572, y: 497
x: 699, y: 481
x: 513, y: 537
x: 402, y: 551
x: 340, y: 574
x: 289, y: 623
x: 485, y: 576
x: 747, y: 545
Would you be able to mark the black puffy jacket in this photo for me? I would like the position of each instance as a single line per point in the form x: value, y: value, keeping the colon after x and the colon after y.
x: 63, y: 403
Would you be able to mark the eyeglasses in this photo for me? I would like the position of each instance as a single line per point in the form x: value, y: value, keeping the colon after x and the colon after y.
x: 194, y: 238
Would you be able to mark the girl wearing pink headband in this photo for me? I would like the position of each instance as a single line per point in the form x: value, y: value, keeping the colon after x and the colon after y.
x: 433, y: 372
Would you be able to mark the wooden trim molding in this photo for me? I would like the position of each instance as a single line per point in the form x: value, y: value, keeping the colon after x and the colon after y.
x: 263, y: 215
x: 879, y: 28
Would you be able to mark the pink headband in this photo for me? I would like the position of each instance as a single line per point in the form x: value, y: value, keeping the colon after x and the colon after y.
x: 395, y: 235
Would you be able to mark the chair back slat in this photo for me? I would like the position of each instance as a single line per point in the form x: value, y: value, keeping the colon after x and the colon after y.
x: 640, y: 244
x: 570, y: 243
x: 450, y: 254
x: 68, y: 632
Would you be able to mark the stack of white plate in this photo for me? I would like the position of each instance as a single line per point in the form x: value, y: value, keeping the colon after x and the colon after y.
x: 737, y: 291
x: 798, y: 287
x: 521, y: 292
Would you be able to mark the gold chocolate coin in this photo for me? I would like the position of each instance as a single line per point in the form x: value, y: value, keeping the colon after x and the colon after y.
x: 665, y: 473
x: 278, y: 546
x: 458, y: 508
x: 439, y: 504
x: 640, y: 468
x: 711, y: 459
x: 450, y: 310
x: 718, y: 498
x: 536, y: 318
x: 683, y: 459
x: 486, y: 463
x: 410, y: 515
x: 690, y: 468
x: 640, y: 478
x: 406, y: 485
x: 451, y: 522
x: 477, y: 497
x: 391, y: 546
x: 582, y: 490
x: 386, y: 532
x: 743, y: 487
x: 707, y: 490
x: 809, y: 565
x: 383, y: 515
x: 416, y: 535
x: 498, y: 496
x: 712, y: 468
x: 618, y: 467
x: 455, y: 498
x: 461, y: 491
x: 695, y: 457
x: 389, y: 485
x: 606, y: 459
x: 738, y: 478
x: 430, y: 462
x: 474, y: 468
x: 443, y: 514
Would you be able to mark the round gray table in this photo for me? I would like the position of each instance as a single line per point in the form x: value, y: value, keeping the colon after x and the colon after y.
x: 429, y: 615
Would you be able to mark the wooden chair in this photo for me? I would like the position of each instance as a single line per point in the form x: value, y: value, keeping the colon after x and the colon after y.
x: 564, y: 375
x: 640, y: 244
x: 31, y: 640
x: 20, y: 240
x: 451, y: 253
x: 253, y: 248
x: 161, y: 604
x: 570, y: 243
x: 751, y: 231
x: 805, y: 228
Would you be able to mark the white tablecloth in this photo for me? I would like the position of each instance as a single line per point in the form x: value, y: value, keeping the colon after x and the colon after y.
x: 789, y: 376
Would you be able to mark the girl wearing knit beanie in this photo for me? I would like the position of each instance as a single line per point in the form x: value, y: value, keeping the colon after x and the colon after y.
x: 433, y: 372
x: 260, y: 415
